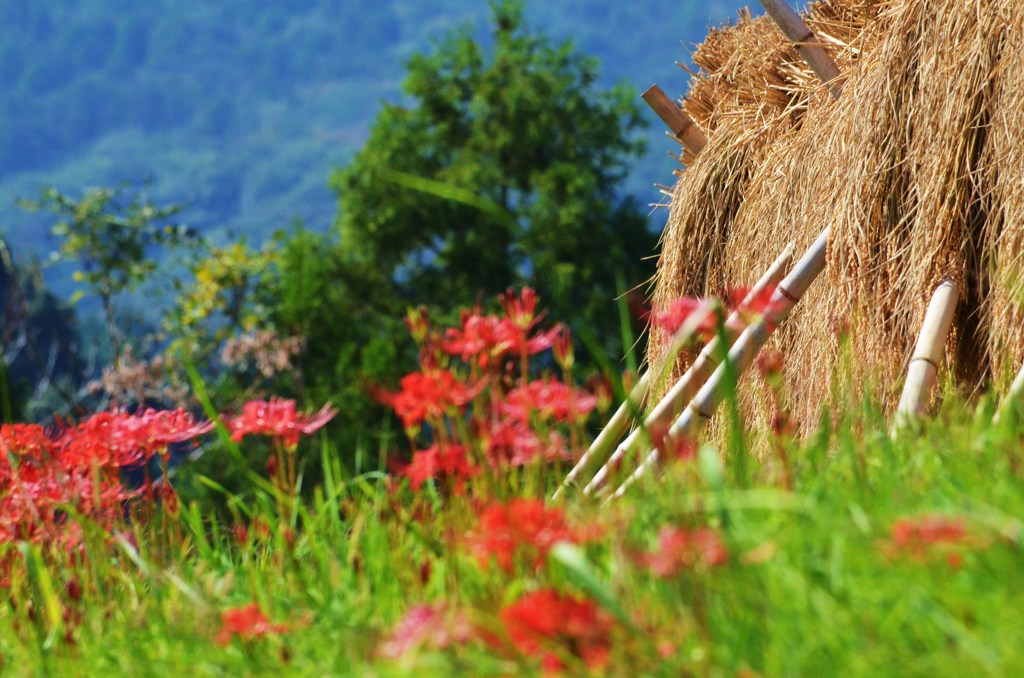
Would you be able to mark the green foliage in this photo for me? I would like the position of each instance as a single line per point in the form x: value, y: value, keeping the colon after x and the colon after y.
x: 112, y: 242
x: 239, y: 109
x: 502, y: 170
x: 816, y: 581
x: 39, y: 343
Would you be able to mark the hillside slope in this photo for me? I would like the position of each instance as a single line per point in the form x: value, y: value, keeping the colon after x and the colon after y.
x: 240, y: 109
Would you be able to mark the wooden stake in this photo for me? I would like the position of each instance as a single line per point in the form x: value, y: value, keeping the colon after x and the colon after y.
x: 931, y: 344
x: 742, y: 353
x: 619, y: 422
x: 682, y: 126
x: 687, y: 386
x: 806, y: 43
x: 1012, y: 396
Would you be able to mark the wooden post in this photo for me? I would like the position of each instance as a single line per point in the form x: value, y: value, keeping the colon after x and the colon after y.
x: 682, y: 126
x: 620, y: 421
x: 742, y: 354
x: 806, y: 43
x: 931, y: 344
x: 684, y: 389
x: 1012, y: 396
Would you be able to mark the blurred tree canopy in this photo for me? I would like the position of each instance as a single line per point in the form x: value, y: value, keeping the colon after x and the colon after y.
x: 502, y: 169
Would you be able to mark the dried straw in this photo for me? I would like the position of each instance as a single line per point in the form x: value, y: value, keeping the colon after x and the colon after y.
x: 918, y: 169
x: 788, y: 293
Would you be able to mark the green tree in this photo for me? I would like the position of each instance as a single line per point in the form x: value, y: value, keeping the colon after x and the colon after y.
x: 112, y: 241
x: 501, y: 169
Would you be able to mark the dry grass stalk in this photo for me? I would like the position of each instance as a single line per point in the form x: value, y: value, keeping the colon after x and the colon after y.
x: 803, y: 38
x: 922, y: 372
x: 788, y: 293
x: 682, y: 125
x: 684, y: 389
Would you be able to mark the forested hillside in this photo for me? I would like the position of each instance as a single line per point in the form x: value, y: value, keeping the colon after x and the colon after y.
x: 240, y: 109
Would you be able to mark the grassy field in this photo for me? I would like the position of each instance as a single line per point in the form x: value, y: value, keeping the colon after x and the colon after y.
x: 851, y: 553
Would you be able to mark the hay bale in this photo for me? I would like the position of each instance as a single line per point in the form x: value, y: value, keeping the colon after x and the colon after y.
x: 916, y: 169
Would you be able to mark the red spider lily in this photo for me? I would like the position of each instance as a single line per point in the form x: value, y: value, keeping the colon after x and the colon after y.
x: 924, y: 536
x: 435, y: 627
x: 761, y: 305
x: 544, y: 619
x: 514, y: 443
x: 489, y: 339
x: 547, y: 399
x: 26, y: 440
x: 672, y: 318
x: 121, y: 439
x: 33, y: 505
x: 562, y: 348
x: 522, y: 525
x: 278, y: 418
x: 521, y: 310
x: 428, y: 395
x: 918, y: 533
x: 247, y: 623
x: 438, y: 461
x: 671, y: 447
x: 679, y: 548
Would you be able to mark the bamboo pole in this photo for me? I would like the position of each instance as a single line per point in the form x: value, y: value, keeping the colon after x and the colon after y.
x: 813, y: 261
x: 806, y: 43
x: 931, y: 344
x: 1012, y: 396
x: 742, y: 354
x: 682, y: 126
x: 687, y: 386
x: 617, y: 425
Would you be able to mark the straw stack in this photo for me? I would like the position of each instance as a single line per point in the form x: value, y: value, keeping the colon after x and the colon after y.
x: 918, y: 169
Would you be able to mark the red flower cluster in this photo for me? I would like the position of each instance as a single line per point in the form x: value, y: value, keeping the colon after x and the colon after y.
x: 513, y: 422
x: 42, y: 474
x: 429, y: 396
x: 515, y: 443
x: 553, y: 626
x: 431, y: 626
x: 679, y: 548
x: 246, y: 623
x: 547, y: 399
x: 672, y: 318
x: 922, y: 536
x: 522, y: 526
x: 437, y: 461
x: 277, y: 418
x: 489, y: 339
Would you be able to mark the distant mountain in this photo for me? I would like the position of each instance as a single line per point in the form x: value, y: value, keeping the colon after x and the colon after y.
x: 239, y: 109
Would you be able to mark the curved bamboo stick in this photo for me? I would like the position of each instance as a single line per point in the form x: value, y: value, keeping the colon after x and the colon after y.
x: 683, y: 127
x: 931, y: 344
x: 806, y: 43
x: 617, y: 425
x: 742, y: 354
x: 687, y: 386
x: 1012, y: 396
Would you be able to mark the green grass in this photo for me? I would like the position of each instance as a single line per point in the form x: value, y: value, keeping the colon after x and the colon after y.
x: 812, y: 587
